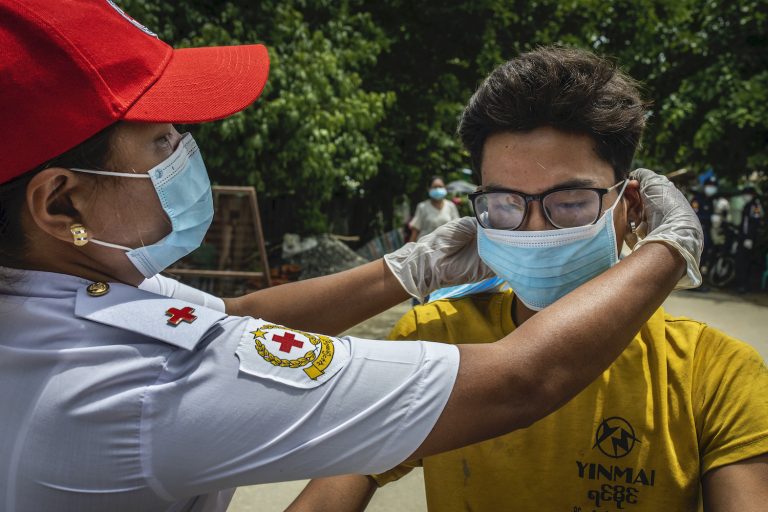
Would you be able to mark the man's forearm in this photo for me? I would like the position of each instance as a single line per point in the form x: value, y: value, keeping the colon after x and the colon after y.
x: 328, y: 304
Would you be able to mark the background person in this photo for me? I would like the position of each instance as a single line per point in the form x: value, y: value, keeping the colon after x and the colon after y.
x: 752, y: 219
x: 721, y: 219
x: 703, y: 203
x: 434, y: 212
x: 681, y: 412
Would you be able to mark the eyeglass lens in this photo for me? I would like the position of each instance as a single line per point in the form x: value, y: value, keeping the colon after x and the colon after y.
x: 563, y: 208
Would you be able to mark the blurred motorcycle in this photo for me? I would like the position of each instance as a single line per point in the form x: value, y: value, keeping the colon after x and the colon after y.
x: 722, y: 270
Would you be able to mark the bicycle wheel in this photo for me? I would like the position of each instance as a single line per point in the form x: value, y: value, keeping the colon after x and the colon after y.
x: 723, y: 271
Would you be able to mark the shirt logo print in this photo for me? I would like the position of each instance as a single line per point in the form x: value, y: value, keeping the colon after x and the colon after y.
x: 615, y: 437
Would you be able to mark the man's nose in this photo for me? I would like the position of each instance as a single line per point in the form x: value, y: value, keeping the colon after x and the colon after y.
x: 535, y: 220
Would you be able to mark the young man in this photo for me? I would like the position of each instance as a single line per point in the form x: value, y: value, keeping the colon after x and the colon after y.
x: 680, y: 417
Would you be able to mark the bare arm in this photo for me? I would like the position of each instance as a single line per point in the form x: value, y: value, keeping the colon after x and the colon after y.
x: 741, y: 487
x: 328, y: 304
x: 541, y: 365
x: 347, y: 493
x: 331, y: 304
x: 414, y: 235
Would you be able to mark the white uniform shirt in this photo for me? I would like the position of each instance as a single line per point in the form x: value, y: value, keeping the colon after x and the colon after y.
x: 427, y: 218
x: 106, y: 406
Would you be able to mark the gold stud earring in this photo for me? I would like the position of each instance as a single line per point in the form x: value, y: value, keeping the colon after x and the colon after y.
x: 79, y: 234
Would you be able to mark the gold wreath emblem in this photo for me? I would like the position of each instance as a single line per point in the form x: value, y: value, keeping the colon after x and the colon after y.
x: 317, y: 362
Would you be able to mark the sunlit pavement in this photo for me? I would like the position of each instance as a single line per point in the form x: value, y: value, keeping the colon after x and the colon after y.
x: 742, y: 316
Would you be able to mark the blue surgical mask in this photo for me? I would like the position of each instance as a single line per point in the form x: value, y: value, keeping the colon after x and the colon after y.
x: 542, y: 266
x: 182, y: 185
x: 437, y: 193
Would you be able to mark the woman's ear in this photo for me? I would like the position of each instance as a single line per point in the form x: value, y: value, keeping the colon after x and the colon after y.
x: 51, y: 202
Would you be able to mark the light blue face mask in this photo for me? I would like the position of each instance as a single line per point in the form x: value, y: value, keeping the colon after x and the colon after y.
x: 438, y: 193
x: 542, y: 266
x: 182, y: 185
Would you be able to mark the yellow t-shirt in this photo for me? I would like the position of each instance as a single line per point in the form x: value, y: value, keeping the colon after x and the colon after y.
x: 682, y: 399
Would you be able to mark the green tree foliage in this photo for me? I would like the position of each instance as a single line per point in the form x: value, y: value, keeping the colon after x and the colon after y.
x: 310, y: 137
x: 363, y: 97
x: 705, y: 67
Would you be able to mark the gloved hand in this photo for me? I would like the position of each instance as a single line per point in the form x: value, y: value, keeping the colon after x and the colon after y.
x: 445, y: 257
x: 670, y: 219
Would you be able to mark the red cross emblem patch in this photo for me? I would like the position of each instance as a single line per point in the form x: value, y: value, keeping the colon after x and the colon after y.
x: 290, y: 357
x: 292, y: 348
x: 180, y: 315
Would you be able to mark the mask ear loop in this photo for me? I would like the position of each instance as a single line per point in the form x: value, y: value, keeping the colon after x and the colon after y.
x: 107, y: 244
x: 621, y: 194
x: 110, y: 173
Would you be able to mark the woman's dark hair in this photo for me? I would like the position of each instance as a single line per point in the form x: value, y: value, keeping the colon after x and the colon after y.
x: 91, y: 154
x: 565, y: 88
x: 433, y: 178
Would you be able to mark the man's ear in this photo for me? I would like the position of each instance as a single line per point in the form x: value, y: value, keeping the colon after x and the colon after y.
x: 52, y: 201
x: 634, y: 202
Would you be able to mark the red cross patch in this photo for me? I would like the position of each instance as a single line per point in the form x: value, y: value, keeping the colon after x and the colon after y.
x: 287, y: 341
x: 290, y: 356
x: 181, y: 315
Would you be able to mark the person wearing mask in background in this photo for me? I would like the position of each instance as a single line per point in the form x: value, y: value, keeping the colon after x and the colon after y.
x: 704, y: 206
x: 681, y: 413
x: 116, y: 398
x: 721, y: 219
x: 752, y: 218
x: 434, y: 212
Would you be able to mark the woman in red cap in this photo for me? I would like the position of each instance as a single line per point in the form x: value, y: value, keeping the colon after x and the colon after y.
x: 118, y: 398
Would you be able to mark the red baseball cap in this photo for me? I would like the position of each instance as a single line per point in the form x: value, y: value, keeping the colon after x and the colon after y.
x: 70, y: 68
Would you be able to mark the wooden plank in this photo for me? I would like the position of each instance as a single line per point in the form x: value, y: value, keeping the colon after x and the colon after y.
x: 260, y: 236
x: 214, y: 273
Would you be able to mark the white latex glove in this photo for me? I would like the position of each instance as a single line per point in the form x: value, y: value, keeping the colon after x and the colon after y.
x: 167, y: 287
x: 445, y: 257
x: 670, y: 219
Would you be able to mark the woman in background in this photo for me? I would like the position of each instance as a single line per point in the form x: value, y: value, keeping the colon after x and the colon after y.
x: 434, y: 212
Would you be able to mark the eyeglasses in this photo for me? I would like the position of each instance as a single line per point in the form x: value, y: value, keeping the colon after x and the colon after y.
x: 563, y: 208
